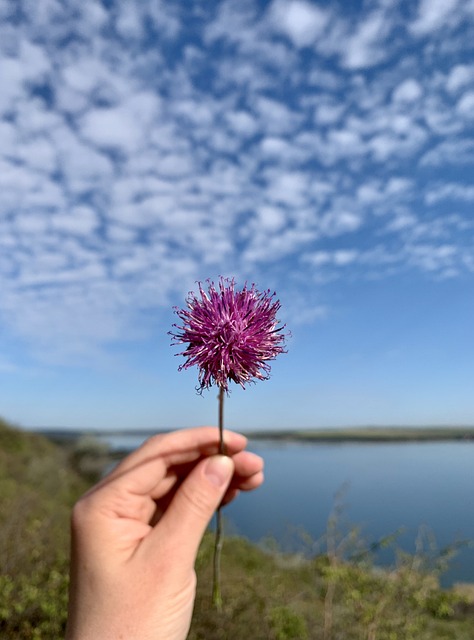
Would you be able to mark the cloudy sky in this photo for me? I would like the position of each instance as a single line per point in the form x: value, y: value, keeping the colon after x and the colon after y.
x: 324, y: 150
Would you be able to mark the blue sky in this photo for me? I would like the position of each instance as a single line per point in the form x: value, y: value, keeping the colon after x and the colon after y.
x: 321, y: 149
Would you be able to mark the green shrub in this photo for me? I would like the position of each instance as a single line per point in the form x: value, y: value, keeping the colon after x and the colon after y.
x: 37, y: 490
x: 35, y: 605
x: 287, y: 625
x: 89, y: 457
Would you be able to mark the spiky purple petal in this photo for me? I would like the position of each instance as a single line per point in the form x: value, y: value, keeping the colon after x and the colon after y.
x: 231, y: 335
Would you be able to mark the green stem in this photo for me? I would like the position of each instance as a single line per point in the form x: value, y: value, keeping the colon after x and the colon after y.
x: 216, y: 586
x: 222, y: 449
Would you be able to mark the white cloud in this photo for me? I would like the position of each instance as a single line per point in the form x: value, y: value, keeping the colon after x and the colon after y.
x: 336, y: 223
x: 80, y: 220
x: 20, y: 187
x: 164, y: 18
x: 34, y: 61
x: 11, y: 72
x: 121, y: 235
x: 84, y: 74
x: 275, y: 117
x: 88, y: 272
x: 129, y: 22
x: 301, y: 21
x: 382, y: 196
x: 235, y: 22
x: 397, y: 185
x: 450, y: 191
x: 451, y: 152
x: 344, y: 257
x: 112, y: 128
x: 39, y: 153
x: 303, y: 312
x: 402, y: 143
x: 328, y: 113
x: 31, y: 64
x: 324, y: 79
x: 31, y: 223
x: 338, y: 258
x: 68, y: 332
x: 465, y: 106
x: 124, y: 175
x: 173, y: 165
x: 289, y: 189
x: 93, y: 14
x: 8, y: 138
x: 271, y: 248
x: 274, y: 146
x: 345, y: 142
x: 459, y: 77
x: 195, y: 112
x: 319, y: 258
x: 242, y: 123
x: 433, y: 257
x: 270, y: 218
x: 40, y: 14
x: 144, y: 214
x: 83, y: 167
x: 440, y: 117
x: 402, y: 220
x: 369, y: 193
x: 279, y: 149
x: 366, y: 46
x: 408, y: 91
x: 432, y: 15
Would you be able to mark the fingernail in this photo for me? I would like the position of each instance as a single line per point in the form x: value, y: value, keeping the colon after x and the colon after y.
x: 218, y: 470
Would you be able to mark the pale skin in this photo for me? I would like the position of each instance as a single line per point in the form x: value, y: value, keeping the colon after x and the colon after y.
x: 135, y: 535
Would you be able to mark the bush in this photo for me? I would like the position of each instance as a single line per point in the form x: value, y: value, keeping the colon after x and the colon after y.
x: 287, y: 625
x: 37, y: 490
x: 89, y: 457
x: 35, y: 605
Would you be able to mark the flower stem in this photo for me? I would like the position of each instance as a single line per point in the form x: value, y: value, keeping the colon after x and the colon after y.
x: 222, y: 449
x: 216, y: 586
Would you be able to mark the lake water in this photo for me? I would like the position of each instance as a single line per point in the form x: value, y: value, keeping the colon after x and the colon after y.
x: 387, y: 486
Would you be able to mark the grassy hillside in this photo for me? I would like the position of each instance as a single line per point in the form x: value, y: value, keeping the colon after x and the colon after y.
x: 270, y: 596
x: 267, y: 596
x: 37, y: 489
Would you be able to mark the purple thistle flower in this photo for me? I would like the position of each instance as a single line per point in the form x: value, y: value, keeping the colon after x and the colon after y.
x: 231, y: 335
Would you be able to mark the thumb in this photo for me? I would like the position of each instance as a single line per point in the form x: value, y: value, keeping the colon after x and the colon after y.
x: 182, y: 526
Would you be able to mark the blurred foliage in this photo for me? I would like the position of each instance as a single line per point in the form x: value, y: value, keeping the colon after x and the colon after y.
x: 37, y: 489
x: 336, y: 594
x: 273, y: 596
x: 89, y: 457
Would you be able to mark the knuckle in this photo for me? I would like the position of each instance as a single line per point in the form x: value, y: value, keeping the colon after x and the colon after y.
x: 84, y: 512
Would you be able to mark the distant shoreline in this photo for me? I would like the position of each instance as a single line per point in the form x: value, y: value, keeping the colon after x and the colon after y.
x: 352, y: 434
x: 368, y: 434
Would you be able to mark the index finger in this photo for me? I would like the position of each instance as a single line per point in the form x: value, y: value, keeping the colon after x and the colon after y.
x: 148, y: 464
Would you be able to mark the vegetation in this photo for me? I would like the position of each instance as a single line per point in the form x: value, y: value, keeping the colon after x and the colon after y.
x: 369, y: 434
x: 335, y: 595
x: 37, y: 488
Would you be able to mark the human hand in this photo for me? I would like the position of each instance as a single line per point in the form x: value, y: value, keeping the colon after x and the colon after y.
x: 136, y: 534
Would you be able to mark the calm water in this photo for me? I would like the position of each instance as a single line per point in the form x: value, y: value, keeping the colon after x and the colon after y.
x: 388, y: 486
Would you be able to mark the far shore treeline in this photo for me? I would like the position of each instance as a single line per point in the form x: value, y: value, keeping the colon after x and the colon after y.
x: 349, y: 434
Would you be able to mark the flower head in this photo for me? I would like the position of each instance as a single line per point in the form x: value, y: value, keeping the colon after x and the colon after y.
x: 231, y: 335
